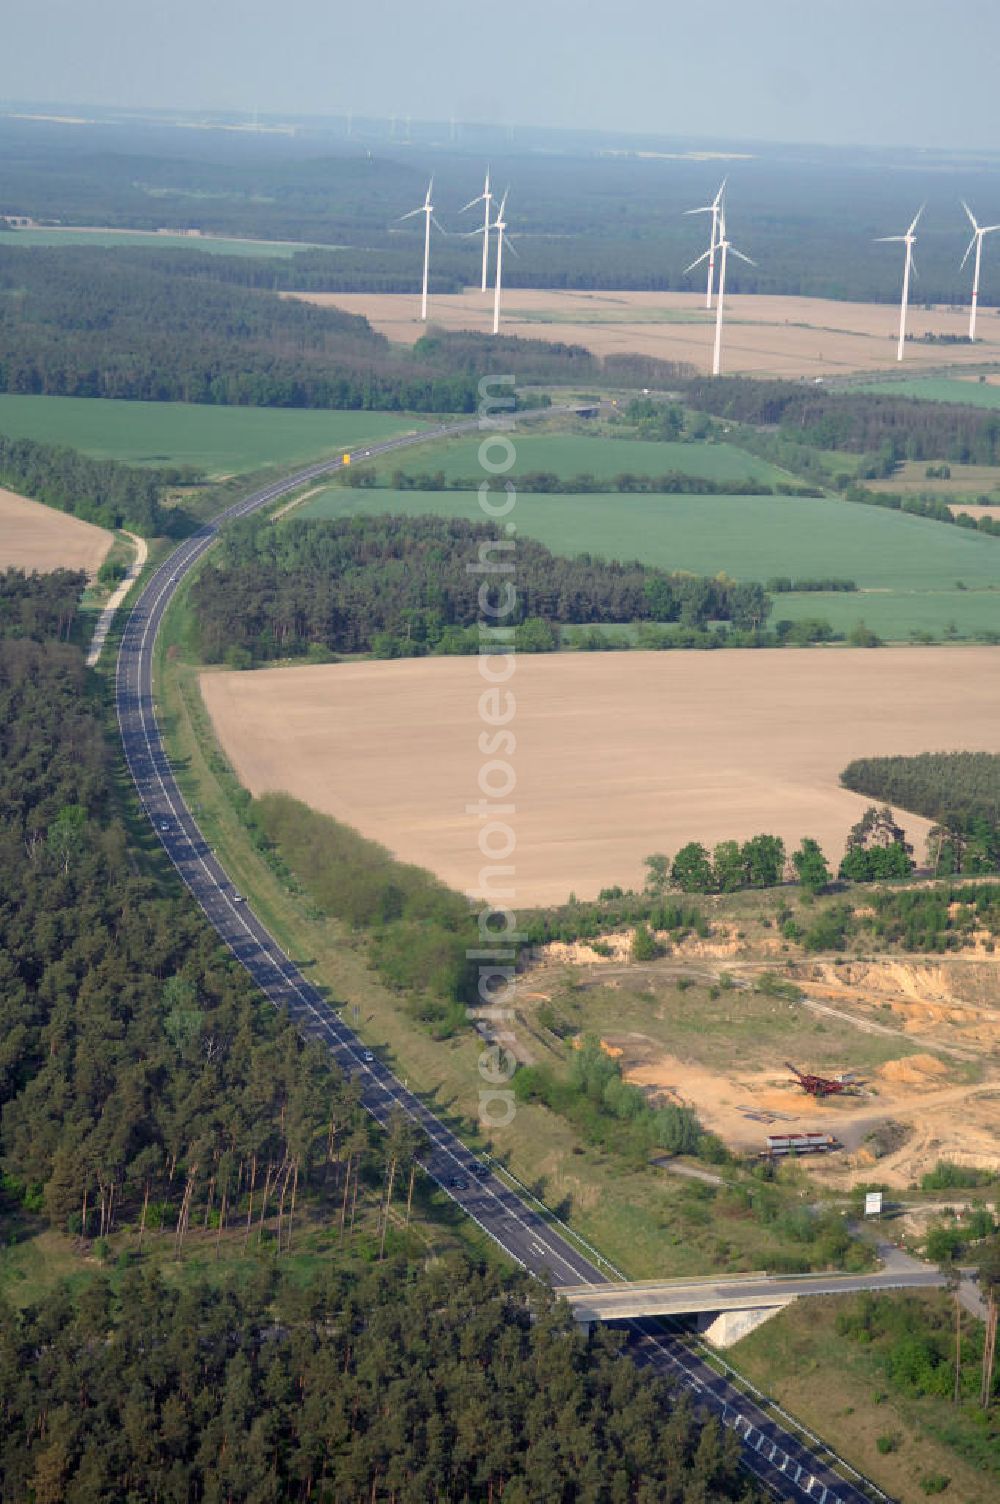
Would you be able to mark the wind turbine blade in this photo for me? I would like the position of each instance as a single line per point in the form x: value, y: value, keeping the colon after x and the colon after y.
x: 439, y: 226
x: 734, y: 252
x: 510, y: 246
x: 703, y: 257
x: 503, y: 204
x: 988, y: 229
x: 888, y: 239
x: 472, y: 203
x: 718, y: 197
x: 411, y: 214
x: 972, y: 217
x: 913, y: 221
x: 703, y: 209
x: 968, y: 252
x: 430, y: 190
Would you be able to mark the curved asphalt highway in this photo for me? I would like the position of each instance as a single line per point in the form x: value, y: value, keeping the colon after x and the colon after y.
x: 787, y: 1466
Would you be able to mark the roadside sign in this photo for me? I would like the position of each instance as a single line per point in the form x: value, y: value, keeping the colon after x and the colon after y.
x: 347, y: 459
x: 873, y: 1203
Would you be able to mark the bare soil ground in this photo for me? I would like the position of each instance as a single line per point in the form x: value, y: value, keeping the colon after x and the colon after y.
x: 945, y: 1120
x: 976, y: 511
x: 939, y: 1098
x: 33, y: 536
x: 618, y: 755
x: 764, y: 336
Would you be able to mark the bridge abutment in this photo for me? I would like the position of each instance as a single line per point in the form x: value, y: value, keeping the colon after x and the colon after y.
x: 724, y: 1328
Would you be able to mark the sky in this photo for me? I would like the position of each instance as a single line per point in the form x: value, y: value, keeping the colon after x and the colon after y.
x: 879, y: 72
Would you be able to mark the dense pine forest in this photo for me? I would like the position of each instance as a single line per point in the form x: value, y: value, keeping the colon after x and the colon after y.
x: 958, y: 790
x: 107, y: 323
x: 39, y: 606
x: 137, y: 1064
x: 143, y: 1086
x: 393, y: 1386
x: 105, y: 492
x: 411, y: 586
x: 171, y: 326
x: 899, y: 428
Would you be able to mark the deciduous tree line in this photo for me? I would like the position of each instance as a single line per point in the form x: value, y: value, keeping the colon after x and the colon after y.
x: 548, y: 483
x: 876, y: 850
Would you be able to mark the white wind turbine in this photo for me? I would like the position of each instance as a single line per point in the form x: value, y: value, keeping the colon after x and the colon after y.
x: 486, y: 197
x: 500, y: 225
x: 717, y: 213
x: 724, y: 245
x: 427, y: 210
x: 909, y: 240
x: 978, y: 231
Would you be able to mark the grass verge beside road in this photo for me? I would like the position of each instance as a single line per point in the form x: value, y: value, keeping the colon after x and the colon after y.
x: 901, y: 1437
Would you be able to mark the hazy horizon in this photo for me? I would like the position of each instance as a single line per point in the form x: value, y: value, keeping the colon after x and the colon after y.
x: 857, y: 75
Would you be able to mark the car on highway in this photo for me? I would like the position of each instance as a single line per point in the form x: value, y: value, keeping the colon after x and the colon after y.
x: 458, y: 1183
x: 368, y: 1056
x: 164, y: 825
x: 237, y: 898
x: 481, y: 1172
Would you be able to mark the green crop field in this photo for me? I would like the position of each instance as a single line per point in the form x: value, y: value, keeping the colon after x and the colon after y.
x: 971, y: 393
x: 907, y: 567
x: 896, y: 614
x: 214, y: 245
x: 218, y: 440
x: 572, y: 454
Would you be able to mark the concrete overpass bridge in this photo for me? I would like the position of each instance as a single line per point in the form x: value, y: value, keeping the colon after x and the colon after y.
x: 730, y: 1305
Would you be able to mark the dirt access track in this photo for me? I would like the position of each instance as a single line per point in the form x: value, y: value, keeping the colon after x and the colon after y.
x: 763, y: 336
x: 33, y: 536
x: 617, y: 755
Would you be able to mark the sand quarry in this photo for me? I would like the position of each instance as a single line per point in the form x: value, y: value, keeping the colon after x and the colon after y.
x: 763, y: 336
x: 939, y: 1100
x: 617, y: 755
x: 934, y: 1117
x: 33, y: 536
x: 938, y: 1097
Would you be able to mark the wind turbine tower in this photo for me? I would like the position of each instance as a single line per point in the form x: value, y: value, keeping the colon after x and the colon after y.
x: 500, y: 225
x: 486, y: 197
x: 723, y: 245
x: 909, y: 240
x: 427, y: 210
x: 715, y: 208
x: 978, y: 231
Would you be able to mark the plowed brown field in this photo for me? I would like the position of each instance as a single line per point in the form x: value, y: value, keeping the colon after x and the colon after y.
x: 618, y: 755
x: 763, y: 336
x: 33, y: 536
